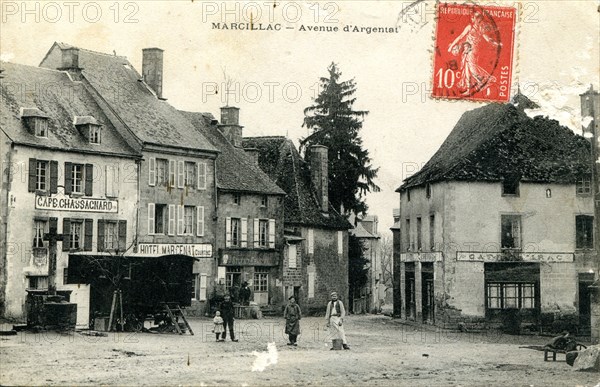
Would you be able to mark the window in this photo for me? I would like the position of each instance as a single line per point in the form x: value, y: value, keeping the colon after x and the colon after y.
x: 408, y: 195
x: 112, y: 235
x: 340, y: 242
x: 77, y: 178
x: 261, y: 279
x: 237, y: 199
x: 419, y: 234
x: 511, y: 232
x: 234, y: 230
x: 264, y: 200
x: 41, y: 127
x: 75, y: 236
x: 510, y: 295
x: 263, y: 227
x: 292, y: 256
x: 233, y: 276
x: 95, y: 131
x: 37, y: 282
x: 432, y: 233
x: 428, y: 190
x: 583, y: 185
x: 510, y: 185
x: 409, y: 246
x: 39, y: 229
x: 41, y: 172
x: 162, y: 166
x: 188, y: 220
x: 584, y: 232
x: 157, y: 219
x: 190, y: 175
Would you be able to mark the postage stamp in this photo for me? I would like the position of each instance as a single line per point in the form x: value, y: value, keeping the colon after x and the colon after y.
x: 473, y: 52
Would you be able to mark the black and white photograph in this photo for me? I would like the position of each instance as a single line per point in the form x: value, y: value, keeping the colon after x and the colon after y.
x: 299, y: 193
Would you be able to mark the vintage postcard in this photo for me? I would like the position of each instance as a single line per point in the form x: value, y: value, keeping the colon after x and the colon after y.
x: 291, y: 193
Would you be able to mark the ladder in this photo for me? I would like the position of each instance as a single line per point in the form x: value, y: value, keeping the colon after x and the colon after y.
x: 174, y: 312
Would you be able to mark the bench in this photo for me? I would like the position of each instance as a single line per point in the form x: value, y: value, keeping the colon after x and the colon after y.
x: 549, y: 350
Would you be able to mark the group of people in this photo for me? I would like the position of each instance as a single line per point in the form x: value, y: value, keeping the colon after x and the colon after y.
x: 292, y: 314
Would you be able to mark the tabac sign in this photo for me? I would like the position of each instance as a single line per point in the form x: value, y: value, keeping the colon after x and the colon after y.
x: 83, y: 204
x: 196, y: 250
x: 513, y: 257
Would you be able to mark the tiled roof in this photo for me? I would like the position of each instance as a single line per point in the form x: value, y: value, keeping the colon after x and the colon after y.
x: 360, y: 232
x: 53, y: 94
x: 236, y: 171
x: 152, y: 120
x: 496, y: 141
x: 280, y: 160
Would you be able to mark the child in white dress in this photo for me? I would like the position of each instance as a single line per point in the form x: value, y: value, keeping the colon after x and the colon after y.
x: 218, y: 329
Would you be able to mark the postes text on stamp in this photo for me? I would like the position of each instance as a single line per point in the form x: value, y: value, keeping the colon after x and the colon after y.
x: 473, y: 52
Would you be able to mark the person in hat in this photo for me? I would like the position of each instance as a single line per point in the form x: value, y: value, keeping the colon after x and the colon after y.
x: 245, y: 293
x: 227, y: 311
x: 335, y: 317
x: 292, y: 315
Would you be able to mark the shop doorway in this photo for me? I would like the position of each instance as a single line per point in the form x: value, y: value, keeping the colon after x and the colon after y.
x: 427, y: 294
x: 409, y: 290
x: 585, y: 306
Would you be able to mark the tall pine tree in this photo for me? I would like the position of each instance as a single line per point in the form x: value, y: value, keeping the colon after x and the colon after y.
x: 334, y: 124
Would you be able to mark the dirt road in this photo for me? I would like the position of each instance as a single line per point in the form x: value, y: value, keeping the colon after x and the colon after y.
x: 383, y: 352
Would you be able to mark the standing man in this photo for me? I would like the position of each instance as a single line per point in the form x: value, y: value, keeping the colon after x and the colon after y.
x: 245, y: 294
x: 335, y: 315
x: 292, y: 315
x: 227, y: 311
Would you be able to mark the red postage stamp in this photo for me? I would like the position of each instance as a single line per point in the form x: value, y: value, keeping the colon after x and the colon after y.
x: 473, y: 52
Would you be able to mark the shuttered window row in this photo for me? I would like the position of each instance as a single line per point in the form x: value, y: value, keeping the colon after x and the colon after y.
x: 78, y: 235
x: 263, y: 232
x: 43, y: 176
x: 174, y: 219
x: 180, y: 174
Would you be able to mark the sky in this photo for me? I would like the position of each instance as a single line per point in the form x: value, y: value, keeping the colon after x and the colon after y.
x: 274, y: 74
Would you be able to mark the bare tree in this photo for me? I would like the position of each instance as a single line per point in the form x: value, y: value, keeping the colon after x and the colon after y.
x: 386, y: 250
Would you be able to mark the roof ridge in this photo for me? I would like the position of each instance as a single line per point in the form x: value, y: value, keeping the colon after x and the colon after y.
x: 91, y: 51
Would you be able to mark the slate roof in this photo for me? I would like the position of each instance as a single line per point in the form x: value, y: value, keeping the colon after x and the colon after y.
x: 59, y: 98
x: 279, y: 159
x: 360, y: 232
x: 495, y: 141
x: 152, y: 120
x: 236, y: 171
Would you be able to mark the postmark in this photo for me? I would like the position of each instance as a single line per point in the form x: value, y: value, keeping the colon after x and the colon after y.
x: 473, y: 52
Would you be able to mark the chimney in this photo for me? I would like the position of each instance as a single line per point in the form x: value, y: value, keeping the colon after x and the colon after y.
x: 319, y: 173
x: 253, y: 154
x: 152, y: 69
x: 230, y: 125
x: 70, y: 62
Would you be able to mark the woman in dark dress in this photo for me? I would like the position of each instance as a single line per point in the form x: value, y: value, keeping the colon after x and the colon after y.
x: 292, y: 315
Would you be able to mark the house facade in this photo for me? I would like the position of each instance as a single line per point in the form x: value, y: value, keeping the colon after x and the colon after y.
x: 249, y: 216
x: 371, y: 297
x: 315, y: 255
x: 176, y: 195
x: 66, y: 170
x: 498, y: 227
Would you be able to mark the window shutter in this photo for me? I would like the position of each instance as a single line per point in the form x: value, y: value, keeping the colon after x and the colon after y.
x: 122, y: 235
x: 244, y: 241
x: 53, y: 225
x: 311, y: 241
x: 171, y: 173
x: 89, y: 232
x: 53, y: 176
x: 101, y: 246
x: 89, y: 179
x: 271, y: 233
x: 32, y: 175
x: 180, y: 174
x: 311, y: 285
x: 150, y: 218
x: 68, y: 178
x: 256, y: 233
x: 292, y: 256
x: 179, y: 219
x: 172, y: 216
x: 201, y: 175
x: 200, y: 221
x: 340, y: 242
x: 67, y: 234
x: 228, y: 232
x: 152, y: 171
x: 202, y: 295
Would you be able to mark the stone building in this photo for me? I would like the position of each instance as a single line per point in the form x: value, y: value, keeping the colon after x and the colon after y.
x: 315, y: 259
x: 66, y: 170
x: 498, y: 227
x: 175, y: 178
x: 370, y: 297
x: 249, y: 222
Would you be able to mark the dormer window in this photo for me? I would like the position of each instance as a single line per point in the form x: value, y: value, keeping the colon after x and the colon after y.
x: 89, y: 128
x: 36, y: 121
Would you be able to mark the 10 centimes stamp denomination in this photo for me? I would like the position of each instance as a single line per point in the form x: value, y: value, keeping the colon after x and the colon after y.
x: 473, y: 52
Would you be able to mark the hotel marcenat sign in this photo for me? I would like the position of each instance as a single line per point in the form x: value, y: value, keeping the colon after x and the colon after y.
x: 196, y: 250
x: 66, y: 203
